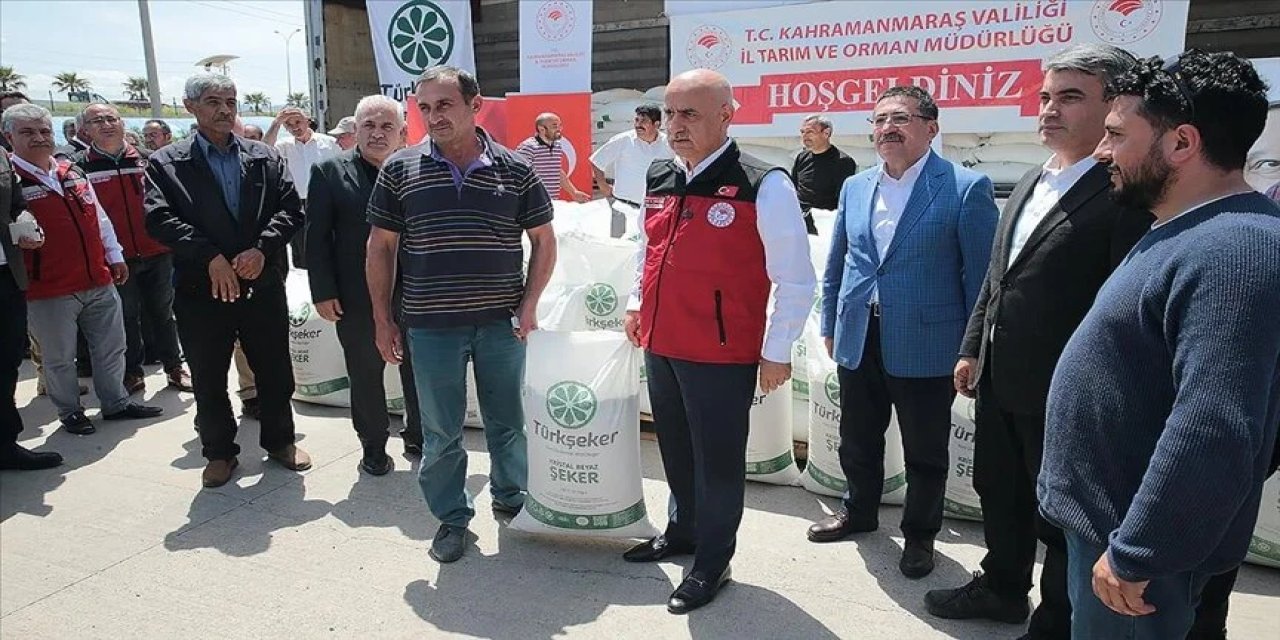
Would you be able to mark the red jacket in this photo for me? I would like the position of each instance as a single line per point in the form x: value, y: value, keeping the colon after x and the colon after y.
x: 72, y: 258
x: 119, y: 185
x: 705, y: 288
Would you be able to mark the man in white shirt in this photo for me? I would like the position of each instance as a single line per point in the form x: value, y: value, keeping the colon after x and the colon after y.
x: 721, y: 231
x: 301, y: 152
x: 1059, y: 239
x: 621, y: 164
x: 71, y: 274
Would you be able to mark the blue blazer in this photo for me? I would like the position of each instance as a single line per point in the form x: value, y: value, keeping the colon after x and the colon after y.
x: 930, y: 277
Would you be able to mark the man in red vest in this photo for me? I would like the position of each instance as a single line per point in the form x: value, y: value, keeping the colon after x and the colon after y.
x: 723, y: 229
x: 71, y: 274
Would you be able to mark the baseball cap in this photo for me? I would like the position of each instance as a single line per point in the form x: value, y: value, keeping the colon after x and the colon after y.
x: 345, y: 125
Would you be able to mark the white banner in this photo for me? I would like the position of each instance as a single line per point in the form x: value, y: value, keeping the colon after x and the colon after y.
x: 412, y: 35
x: 980, y: 60
x: 555, y: 46
x: 686, y: 7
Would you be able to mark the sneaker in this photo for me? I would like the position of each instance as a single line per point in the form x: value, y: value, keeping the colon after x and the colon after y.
x: 447, y: 546
x: 976, y: 600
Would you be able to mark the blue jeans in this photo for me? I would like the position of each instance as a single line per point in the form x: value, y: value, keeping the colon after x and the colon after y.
x: 1174, y: 597
x: 440, y: 365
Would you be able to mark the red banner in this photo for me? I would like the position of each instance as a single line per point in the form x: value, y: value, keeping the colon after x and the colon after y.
x: 1014, y: 83
x: 574, y: 110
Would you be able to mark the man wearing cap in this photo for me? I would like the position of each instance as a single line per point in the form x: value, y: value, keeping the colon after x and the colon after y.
x: 345, y: 133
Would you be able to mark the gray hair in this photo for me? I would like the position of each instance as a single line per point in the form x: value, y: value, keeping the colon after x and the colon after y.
x: 822, y: 121
x: 376, y: 102
x: 25, y: 111
x: 198, y: 84
x: 1101, y: 60
x: 466, y: 81
x: 85, y: 111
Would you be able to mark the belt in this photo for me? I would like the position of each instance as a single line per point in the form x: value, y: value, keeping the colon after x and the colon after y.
x: 875, y: 309
x: 625, y: 201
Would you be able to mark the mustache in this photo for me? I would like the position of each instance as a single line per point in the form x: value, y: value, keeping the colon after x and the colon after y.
x: 890, y: 137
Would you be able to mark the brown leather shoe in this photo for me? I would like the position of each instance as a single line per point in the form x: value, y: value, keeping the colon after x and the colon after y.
x: 292, y: 458
x: 179, y: 379
x: 218, y: 472
x: 134, y: 384
x: 838, y: 527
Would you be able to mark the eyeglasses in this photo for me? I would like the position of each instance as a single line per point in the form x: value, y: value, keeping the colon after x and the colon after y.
x: 896, y: 119
x: 1173, y: 68
x: 103, y: 120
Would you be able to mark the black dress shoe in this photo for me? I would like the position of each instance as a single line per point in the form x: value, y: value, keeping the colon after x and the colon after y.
x: 838, y: 527
x: 917, y: 559
x: 413, y: 449
x: 376, y: 462
x: 19, y: 458
x: 977, y: 600
x: 252, y: 409
x: 134, y: 411
x: 696, y: 591
x: 505, y: 510
x: 656, y: 549
x: 79, y: 424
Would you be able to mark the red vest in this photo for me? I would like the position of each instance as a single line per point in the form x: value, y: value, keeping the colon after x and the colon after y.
x: 705, y: 289
x: 120, y: 188
x: 72, y: 258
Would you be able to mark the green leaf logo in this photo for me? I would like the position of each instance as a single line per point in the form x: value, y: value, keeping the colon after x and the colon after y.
x: 421, y: 36
x: 602, y: 300
x: 300, y: 316
x: 571, y: 404
x: 833, y: 389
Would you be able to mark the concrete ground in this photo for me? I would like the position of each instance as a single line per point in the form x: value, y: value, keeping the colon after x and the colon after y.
x: 122, y: 542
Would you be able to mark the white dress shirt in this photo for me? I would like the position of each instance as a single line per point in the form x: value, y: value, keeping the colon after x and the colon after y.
x: 786, y: 256
x: 49, y: 177
x: 1055, y: 181
x: 892, y: 195
x: 300, y: 157
x: 626, y: 159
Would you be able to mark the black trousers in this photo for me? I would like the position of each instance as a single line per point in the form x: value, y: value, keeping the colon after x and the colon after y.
x: 13, y: 336
x: 1007, y: 451
x: 149, y: 294
x: 701, y: 413
x: 209, y: 330
x: 412, y: 410
x: 1211, y: 615
x: 868, y: 395
x: 365, y: 369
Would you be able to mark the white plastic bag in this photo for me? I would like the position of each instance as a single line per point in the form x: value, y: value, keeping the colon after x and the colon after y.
x: 588, y: 290
x: 1264, y: 548
x: 319, y: 371
x: 582, y: 406
x: 770, y: 450
x: 961, y: 499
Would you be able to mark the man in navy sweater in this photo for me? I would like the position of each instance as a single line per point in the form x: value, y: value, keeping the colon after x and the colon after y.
x: 1163, y: 409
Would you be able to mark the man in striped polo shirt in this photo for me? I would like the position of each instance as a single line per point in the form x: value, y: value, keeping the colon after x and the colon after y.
x: 544, y: 151
x: 450, y: 212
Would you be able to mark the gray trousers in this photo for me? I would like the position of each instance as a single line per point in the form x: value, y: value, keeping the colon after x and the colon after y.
x: 53, y: 322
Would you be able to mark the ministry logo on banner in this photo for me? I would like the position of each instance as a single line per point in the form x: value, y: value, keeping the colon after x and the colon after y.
x: 410, y: 36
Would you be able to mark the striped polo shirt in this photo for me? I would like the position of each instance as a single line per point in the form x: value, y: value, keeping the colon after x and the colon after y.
x: 547, y: 161
x: 461, y: 261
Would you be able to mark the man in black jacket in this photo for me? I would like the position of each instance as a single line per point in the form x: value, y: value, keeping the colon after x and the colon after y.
x: 1058, y: 240
x: 227, y: 208
x: 336, y: 235
x: 820, y: 170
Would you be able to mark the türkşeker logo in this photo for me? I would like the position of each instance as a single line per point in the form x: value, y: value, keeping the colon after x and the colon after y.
x: 556, y: 20
x: 721, y: 215
x: 602, y: 300
x: 709, y: 47
x: 1125, y: 21
x: 571, y: 404
x: 420, y: 36
x: 832, y: 388
x: 299, y: 318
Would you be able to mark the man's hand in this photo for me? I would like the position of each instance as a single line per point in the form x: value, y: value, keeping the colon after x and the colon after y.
x: 387, y: 336
x: 119, y: 273
x: 249, y: 263
x: 330, y: 310
x: 527, y: 316
x: 773, y: 375
x: 581, y: 196
x: 606, y: 189
x: 1124, y: 598
x: 226, y: 286
x: 631, y: 325
x: 963, y: 378
x: 289, y: 112
x: 30, y: 244
x: 830, y: 344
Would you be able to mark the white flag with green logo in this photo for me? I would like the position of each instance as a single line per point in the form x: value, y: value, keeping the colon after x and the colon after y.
x: 412, y: 35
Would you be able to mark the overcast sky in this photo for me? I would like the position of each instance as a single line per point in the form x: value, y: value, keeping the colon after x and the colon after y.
x: 102, y: 40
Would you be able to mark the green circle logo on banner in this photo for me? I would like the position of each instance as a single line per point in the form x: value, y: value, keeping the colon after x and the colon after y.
x: 421, y: 36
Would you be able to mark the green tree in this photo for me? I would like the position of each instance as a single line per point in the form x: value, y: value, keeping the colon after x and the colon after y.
x: 138, y: 89
x: 257, y: 101
x: 70, y: 82
x: 11, y: 80
x: 299, y: 100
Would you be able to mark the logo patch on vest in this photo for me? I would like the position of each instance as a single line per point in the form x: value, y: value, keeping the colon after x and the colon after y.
x: 653, y: 202
x: 721, y: 214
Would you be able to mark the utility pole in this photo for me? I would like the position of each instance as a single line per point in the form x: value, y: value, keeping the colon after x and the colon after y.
x: 288, y: 66
x: 149, y: 52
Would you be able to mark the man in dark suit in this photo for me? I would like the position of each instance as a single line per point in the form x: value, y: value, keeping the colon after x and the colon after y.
x: 227, y: 208
x: 13, y: 326
x: 336, y: 235
x: 1058, y: 240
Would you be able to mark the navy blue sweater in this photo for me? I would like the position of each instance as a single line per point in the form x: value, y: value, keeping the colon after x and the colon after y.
x: 1164, y: 407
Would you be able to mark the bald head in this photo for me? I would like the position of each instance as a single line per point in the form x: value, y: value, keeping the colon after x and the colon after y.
x: 698, y: 109
x: 548, y: 127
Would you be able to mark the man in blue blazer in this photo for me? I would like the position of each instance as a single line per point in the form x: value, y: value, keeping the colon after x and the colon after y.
x: 909, y: 253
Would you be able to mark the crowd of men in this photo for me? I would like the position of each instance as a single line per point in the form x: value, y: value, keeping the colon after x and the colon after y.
x: 1116, y: 324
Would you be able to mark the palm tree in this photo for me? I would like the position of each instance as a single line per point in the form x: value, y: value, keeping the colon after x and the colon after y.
x: 70, y: 82
x: 299, y: 100
x: 138, y: 89
x: 257, y: 101
x: 10, y: 80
